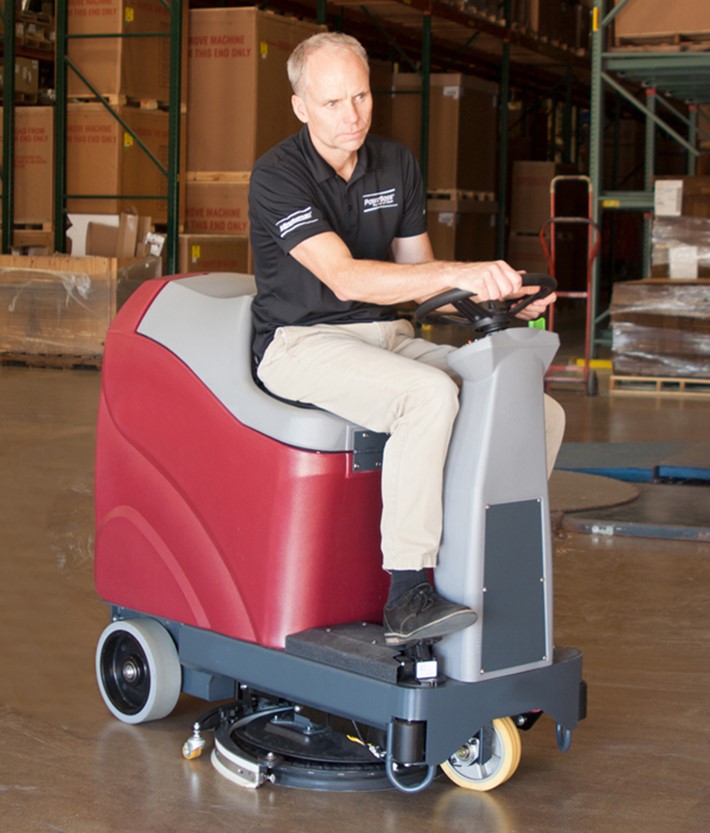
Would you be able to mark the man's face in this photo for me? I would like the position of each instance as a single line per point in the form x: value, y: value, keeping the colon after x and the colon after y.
x: 335, y: 101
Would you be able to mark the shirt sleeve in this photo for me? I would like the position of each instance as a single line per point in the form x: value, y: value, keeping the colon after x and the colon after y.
x: 413, y: 222
x: 282, y: 209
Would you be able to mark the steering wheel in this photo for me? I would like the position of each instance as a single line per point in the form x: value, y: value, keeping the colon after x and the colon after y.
x: 485, y: 318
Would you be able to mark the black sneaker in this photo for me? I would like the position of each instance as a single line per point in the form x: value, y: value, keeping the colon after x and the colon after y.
x: 421, y: 614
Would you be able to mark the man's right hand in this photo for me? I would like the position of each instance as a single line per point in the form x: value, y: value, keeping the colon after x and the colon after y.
x: 491, y: 280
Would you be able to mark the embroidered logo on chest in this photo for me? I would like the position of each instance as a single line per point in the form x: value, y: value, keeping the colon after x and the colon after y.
x: 379, y: 200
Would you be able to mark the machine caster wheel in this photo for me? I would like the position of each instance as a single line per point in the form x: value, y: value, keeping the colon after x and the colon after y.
x: 465, y: 769
x: 564, y: 738
x: 194, y: 745
x: 138, y: 670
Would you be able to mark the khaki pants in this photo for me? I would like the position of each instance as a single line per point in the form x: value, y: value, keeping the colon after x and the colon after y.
x: 381, y: 377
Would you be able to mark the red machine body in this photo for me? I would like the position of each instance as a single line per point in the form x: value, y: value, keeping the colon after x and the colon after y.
x: 205, y: 521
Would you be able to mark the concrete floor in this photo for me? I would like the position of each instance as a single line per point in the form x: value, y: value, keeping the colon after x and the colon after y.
x: 637, y: 608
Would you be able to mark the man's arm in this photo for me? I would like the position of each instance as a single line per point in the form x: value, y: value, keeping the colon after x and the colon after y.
x: 329, y: 259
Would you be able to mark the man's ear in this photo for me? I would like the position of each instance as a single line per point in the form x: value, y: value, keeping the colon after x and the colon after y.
x: 299, y: 109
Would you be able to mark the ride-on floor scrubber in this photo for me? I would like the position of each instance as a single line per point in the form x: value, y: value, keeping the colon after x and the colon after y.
x: 237, y: 542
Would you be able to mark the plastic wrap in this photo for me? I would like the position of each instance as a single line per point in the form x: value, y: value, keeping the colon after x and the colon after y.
x: 62, y: 305
x: 661, y: 328
x: 681, y: 244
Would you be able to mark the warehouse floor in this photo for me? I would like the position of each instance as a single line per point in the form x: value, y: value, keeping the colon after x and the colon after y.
x: 638, y: 608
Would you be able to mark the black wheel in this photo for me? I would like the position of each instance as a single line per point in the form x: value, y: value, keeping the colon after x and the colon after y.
x: 138, y: 670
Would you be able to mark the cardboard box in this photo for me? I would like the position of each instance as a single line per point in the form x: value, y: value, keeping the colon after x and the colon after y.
x: 381, y: 89
x: 34, y: 29
x: 62, y: 305
x: 26, y: 78
x: 562, y: 21
x: 660, y: 20
x: 525, y: 252
x: 461, y: 228
x: 34, y: 165
x: 530, y: 195
x: 463, y: 147
x: 661, y: 327
x: 217, y: 208
x: 695, y: 194
x: 214, y: 253
x: 104, y: 159
x: 239, y: 97
x: 680, y: 247
x: 116, y: 239
x: 519, y: 11
x: 704, y: 133
x: 136, y: 67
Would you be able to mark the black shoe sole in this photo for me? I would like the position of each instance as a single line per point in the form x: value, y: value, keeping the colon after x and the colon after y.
x: 443, y: 627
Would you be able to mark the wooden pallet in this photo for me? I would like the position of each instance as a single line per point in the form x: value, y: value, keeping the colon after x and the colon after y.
x: 458, y: 194
x: 671, y: 42
x: 115, y: 100
x: 60, y: 362
x: 218, y: 176
x: 28, y: 235
x: 659, y: 386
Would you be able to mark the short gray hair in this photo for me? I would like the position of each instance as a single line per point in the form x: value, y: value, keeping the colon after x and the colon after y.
x: 296, y: 64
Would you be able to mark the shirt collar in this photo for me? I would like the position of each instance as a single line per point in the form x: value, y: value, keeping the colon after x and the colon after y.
x: 322, y: 169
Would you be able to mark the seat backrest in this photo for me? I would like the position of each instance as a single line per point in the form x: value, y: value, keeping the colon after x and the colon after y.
x: 205, y: 320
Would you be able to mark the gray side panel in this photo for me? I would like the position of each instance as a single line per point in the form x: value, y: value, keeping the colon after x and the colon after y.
x: 513, y: 599
x: 496, y: 456
x: 206, y: 322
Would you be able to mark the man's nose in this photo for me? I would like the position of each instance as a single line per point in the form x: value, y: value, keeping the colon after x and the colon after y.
x: 350, y: 112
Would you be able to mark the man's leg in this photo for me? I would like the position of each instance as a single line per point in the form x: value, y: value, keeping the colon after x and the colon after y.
x: 435, y: 355
x: 349, y: 370
x: 352, y: 371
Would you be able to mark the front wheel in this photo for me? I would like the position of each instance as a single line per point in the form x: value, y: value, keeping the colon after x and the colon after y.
x: 138, y: 670
x: 467, y: 768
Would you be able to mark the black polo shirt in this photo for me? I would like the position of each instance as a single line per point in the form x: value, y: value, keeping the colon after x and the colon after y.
x: 293, y: 195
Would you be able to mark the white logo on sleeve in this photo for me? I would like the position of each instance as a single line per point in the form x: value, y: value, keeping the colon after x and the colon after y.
x: 379, y: 200
x: 294, y: 221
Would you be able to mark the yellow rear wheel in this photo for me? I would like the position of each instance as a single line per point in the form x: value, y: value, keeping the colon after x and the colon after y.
x: 465, y: 769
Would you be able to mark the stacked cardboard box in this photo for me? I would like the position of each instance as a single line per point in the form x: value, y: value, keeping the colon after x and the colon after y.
x: 530, y: 214
x: 660, y: 21
x: 239, y: 106
x: 217, y: 225
x: 462, y: 128
x: 34, y: 161
x: 462, y: 152
x: 563, y: 22
x: 214, y: 253
x: 680, y: 247
x: 105, y: 160
x: 461, y: 227
x: 26, y: 79
x: 681, y: 227
x: 124, y: 66
x: 117, y: 159
x: 61, y: 306
x: 661, y: 328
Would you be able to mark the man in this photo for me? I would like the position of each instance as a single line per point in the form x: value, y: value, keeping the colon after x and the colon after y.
x: 338, y: 232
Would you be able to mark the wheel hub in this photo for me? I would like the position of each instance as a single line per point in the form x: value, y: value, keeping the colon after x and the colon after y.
x: 131, y: 671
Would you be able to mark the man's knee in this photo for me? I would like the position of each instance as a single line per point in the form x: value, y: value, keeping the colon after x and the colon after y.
x: 555, y: 420
x: 433, y: 393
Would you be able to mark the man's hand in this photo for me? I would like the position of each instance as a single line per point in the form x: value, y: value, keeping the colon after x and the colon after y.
x: 491, y: 280
x: 536, y: 308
